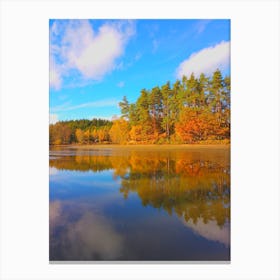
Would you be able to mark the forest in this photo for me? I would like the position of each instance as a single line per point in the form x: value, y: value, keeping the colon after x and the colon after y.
x: 192, y: 110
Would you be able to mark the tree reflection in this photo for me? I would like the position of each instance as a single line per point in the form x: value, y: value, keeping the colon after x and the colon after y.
x: 194, y: 186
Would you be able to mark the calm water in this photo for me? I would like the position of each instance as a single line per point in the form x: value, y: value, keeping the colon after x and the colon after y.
x: 140, y: 204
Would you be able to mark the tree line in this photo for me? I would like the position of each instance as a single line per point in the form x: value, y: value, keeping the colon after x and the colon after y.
x: 79, y: 131
x: 192, y: 110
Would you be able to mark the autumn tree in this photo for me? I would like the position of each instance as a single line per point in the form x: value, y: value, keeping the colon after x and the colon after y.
x: 191, y: 126
x: 192, y: 109
x: 135, y: 133
x: 87, y: 136
x: 79, y: 136
x: 103, y: 134
x: 119, y: 131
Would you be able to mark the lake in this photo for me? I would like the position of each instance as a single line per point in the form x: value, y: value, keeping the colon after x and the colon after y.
x: 134, y: 203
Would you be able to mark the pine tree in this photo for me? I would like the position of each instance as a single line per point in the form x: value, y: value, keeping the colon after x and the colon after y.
x: 124, y: 105
x: 155, y: 108
x: 166, y: 93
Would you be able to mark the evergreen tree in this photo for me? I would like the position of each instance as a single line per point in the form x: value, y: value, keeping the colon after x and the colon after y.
x: 124, y: 105
x: 194, y: 109
x: 155, y: 108
x: 166, y: 94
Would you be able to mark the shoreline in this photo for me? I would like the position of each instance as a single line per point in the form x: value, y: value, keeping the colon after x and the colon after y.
x: 142, y: 146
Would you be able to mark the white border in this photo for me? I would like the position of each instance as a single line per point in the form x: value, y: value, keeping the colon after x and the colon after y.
x: 255, y: 138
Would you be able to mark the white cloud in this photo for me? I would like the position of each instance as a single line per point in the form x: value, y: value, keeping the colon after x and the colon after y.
x: 94, y: 233
x: 206, y: 60
x: 55, y: 79
x: 94, y: 104
x: 53, y: 171
x: 80, y: 48
x: 53, y: 118
x: 210, y: 230
x: 120, y: 84
x: 55, y: 75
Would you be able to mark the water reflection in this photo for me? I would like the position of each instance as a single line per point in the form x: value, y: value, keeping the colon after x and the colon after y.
x: 193, y: 186
x: 211, y: 230
x: 87, y: 236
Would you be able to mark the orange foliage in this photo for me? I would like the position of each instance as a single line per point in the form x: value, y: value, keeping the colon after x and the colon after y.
x: 194, y: 126
x: 191, y: 126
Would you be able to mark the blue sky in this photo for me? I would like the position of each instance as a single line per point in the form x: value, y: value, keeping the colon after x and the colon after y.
x: 94, y: 63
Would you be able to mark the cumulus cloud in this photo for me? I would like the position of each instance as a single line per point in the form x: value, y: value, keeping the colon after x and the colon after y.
x: 75, y: 45
x: 206, y: 60
x: 53, y: 118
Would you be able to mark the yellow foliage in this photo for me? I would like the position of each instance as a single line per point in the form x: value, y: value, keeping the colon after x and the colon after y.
x: 119, y: 131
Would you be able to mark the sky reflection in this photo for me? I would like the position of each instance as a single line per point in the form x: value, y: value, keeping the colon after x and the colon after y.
x: 90, y: 236
x: 140, y: 206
